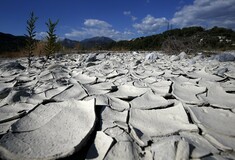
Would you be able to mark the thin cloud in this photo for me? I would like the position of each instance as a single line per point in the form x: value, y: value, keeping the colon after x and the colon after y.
x: 206, y: 13
x: 133, y: 18
x: 128, y: 13
x: 150, y: 25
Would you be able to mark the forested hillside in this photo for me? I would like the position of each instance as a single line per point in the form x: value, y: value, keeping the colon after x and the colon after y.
x: 186, y: 39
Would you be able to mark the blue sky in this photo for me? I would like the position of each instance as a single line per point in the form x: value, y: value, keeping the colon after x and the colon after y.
x: 117, y: 19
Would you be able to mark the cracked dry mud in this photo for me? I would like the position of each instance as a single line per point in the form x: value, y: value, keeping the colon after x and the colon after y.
x: 117, y: 106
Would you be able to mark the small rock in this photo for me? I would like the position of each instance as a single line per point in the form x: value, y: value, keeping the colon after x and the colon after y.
x: 225, y: 57
x: 151, y: 57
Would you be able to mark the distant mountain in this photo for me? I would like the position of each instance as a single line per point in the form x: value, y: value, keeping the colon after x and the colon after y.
x: 68, y: 43
x: 96, y: 42
x: 11, y: 43
x: 189, y: 40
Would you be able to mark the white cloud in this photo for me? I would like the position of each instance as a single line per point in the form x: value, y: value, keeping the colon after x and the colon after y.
x: 92, y: 32
x: 150, y: 24
x: 100, y: 29
x: 96, y: 23
x: 41, y: 35
x: 128, y: 13
x: 207, y: 13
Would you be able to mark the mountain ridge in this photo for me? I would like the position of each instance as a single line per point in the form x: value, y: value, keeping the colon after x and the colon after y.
x: 11, y: 43
x: 188, y: 39
x: 96, y: 42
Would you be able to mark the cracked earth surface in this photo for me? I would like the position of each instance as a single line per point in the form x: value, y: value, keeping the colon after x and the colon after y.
x: 117, y: 106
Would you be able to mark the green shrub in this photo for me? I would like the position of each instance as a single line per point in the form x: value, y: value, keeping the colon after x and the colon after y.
x: 31, y: 33
x: 51, y: 37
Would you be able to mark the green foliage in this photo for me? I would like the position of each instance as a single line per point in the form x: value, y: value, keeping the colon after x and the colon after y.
x: 215, y: 31
x: 30, y: 37
x: 51, y: 45
x: 174, y: 32
x: 190, y: 31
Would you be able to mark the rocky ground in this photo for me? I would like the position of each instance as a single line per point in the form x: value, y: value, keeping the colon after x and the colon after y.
x: 118, y: 106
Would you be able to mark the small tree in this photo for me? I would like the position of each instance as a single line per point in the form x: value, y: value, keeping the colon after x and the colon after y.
x: 31, y: 33
x: 51, y: 38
